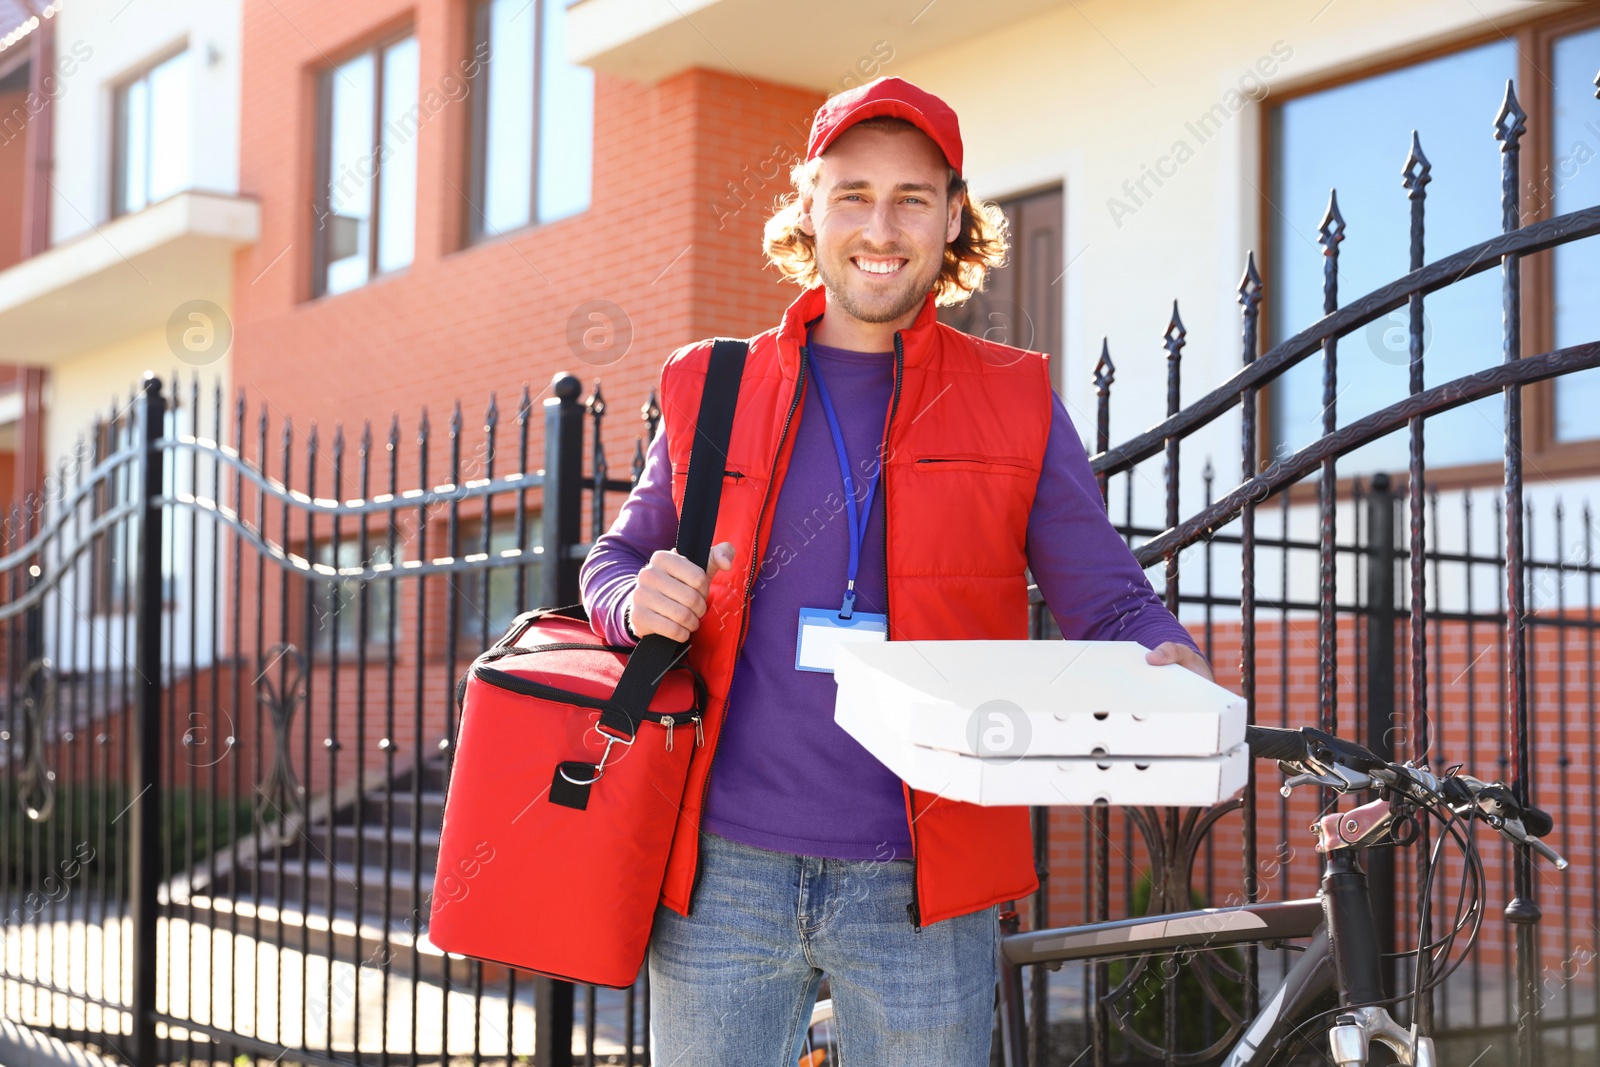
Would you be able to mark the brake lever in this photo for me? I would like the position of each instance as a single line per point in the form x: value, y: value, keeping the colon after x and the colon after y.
x: 1338, y: 778
x: 1514, y: 829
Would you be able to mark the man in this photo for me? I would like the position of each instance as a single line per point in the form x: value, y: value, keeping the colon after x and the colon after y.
x: 885, y: 471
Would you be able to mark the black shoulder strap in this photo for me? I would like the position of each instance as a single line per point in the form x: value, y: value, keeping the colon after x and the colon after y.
x: 656, y: 653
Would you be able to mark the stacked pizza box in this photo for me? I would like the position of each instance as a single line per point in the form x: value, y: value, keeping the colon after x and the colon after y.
x: 1042, y: 722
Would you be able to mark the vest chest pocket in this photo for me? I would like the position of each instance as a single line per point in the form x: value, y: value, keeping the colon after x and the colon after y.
x: 974, y: 461
x: 964, y: 507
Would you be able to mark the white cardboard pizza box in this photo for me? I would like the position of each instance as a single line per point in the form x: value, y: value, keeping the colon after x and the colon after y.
x: 1038, y: 698
x: 1042, y: 722
x: 1183, y: 781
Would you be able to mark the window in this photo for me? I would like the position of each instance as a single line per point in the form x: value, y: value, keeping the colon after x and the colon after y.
x: 532, y: 120
x: 336, y: 606
x: 1020, y: 304
x: 367, y: 173
x: 1354, y: 137
x: 476, y: 615
x: 152, y: 143
x: 1575, y: 148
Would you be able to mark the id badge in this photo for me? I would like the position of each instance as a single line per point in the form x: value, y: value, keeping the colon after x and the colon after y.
x: 822, y: 632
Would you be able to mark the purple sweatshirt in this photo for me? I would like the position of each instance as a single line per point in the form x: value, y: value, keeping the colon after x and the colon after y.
x: 790, y: 779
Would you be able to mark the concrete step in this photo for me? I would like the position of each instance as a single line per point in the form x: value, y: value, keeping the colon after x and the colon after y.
x: 387, y: 846
x: 307, y: 883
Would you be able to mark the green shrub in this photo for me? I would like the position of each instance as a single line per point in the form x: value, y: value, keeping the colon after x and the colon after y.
x: 1144, y: 1006
x: 82, y: 843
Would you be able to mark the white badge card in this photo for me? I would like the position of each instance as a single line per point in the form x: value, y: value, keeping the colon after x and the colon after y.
x: 822, y: 631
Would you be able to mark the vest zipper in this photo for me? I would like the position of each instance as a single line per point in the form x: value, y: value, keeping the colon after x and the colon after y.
x: 915, y: 907
x: 744, y: 625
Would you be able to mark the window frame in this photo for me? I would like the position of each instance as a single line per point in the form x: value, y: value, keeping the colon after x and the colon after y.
x: 371, y: 643
x: 474, y: 229
x: 322, y: 152
x: 115, y: 209
x: 474, y: 223
x: 469, y: 541
x: 1020, y: 208
x: 1545, y: 457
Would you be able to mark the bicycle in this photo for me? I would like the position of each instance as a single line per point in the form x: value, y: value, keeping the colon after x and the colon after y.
x: 1344, y: 956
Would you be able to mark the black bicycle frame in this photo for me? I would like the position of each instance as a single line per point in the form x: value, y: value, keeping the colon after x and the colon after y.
x: 1343, y: 954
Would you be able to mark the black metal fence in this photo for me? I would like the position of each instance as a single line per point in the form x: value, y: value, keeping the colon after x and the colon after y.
x: 1457, y: 690
x: 230, y: 653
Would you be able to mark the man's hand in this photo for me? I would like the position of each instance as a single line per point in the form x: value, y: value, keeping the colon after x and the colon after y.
x: 1178, y: 652
x: 670, y: 598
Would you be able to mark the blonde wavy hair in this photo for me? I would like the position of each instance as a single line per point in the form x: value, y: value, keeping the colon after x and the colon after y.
x: 979, y: 247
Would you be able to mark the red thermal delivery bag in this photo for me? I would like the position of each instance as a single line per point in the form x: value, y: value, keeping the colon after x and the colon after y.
x: 544, y: 863
x: 571, y: 757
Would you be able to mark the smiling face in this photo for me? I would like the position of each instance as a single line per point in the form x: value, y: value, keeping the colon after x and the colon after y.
x: 881, y: 220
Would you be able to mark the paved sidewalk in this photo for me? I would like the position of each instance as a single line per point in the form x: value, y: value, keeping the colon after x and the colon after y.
x: 268, y: 988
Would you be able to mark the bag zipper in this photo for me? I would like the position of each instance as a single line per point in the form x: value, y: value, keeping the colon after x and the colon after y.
x: 744, y: 626
x: 522, y: 686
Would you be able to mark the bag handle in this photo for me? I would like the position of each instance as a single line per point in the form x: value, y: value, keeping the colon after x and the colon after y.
x: 657, y: 653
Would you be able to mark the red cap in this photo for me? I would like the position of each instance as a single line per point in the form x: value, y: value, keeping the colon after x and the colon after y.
x: 887, y: 96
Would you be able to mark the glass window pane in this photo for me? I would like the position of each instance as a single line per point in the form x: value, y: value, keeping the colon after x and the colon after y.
x: 566, y: 122
x: 1355, y: 138
x: 350, y: 163
x: 170, y: 108
x: 397, y: 187
x: 134, y: 193
x: 508, y: 120
x: 1575, y: 175
x: 336, y: 604
x: 477, y: 617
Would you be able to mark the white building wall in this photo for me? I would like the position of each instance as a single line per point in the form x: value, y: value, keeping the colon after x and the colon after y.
x: 1091, y: 95
x: 114, y: 41
x: 111, y: 41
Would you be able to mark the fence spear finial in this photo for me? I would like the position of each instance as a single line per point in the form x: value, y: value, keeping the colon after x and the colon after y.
x: 1173, y: 339
x: 650, y: 412
x: 1417, y: 172
x: 1330, y: 231
x: 1105, y: 372
x: 1511, y: 122
x: 1250, y: 284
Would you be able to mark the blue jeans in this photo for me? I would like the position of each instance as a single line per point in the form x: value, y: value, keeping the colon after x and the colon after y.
x: 732, y: 984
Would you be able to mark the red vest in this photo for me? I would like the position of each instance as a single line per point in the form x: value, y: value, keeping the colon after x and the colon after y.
x: 955, y: 532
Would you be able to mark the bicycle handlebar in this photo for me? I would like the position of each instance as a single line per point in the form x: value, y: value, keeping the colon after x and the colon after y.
x: 1273, y: 742
x: 1346, y: 766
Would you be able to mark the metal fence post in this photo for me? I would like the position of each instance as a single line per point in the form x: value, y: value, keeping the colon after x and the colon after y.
x: 1381, y: 719
x: 144, y: 870
x: 563, y: 492
x: 558, y: 586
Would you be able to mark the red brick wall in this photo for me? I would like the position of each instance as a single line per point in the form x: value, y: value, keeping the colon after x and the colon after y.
x: 665, y: 239
x: 462, y: 322
x: 13, y: 157
x: 1466, y: 677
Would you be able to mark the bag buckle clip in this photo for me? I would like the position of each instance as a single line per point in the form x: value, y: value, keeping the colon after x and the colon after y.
x: 600, y: 764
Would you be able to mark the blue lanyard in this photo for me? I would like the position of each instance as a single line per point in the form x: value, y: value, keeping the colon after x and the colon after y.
x: 858, y: 518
